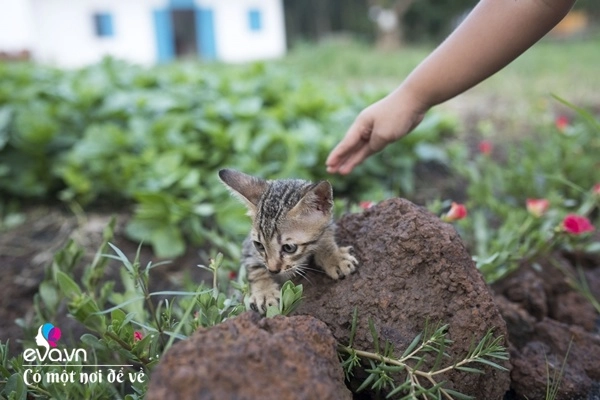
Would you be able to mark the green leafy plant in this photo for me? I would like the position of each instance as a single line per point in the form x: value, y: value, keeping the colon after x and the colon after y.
x: 124, y: 322
x: 289, y: 300
x: 152, y: 139
x: 500, y: 231
x: 411, y: 375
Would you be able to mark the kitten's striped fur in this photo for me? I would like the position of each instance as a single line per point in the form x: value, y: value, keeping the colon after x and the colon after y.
x: 291, y: 223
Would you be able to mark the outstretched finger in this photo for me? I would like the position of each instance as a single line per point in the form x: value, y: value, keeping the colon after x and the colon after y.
x: 356, y: 138
x: 340, y: 154
x: 354, y: 159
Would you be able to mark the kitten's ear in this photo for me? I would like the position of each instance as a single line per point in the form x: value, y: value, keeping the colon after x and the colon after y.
x: 318, y: 198
x: 246, y: 187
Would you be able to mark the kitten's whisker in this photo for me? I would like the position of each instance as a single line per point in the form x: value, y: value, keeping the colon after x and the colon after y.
x: 300, y: 269
x: 307, y: 268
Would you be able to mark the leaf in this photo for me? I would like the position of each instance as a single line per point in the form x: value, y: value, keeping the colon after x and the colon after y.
x: 404, y: 387
x: 272, y: 311
x: 92, y: 341
x: 15, y: 387
x: 469, y: 369
x: 431, y: 152
x: 366, y: 383
x: 121, y: 257
x: 290, y: 296
x: 49, y: 295
x: 458, y: 395
x: 374, y: 335
x: 167, y: 242
x: 121, y: 305
x: 5, y: 117
x: 117, y: 316
x: 353, y: 327
x: 490, y: 363
x: 67, y: 285
x: 589, y: 118
x: 412, y: 345
x: 204, y: 209
x: 593, y: 247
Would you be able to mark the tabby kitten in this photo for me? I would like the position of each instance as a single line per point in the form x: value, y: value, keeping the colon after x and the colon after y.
x: 291, y: 222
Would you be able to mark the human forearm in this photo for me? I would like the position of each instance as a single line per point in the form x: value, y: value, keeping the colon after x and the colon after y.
x: 494, y: 34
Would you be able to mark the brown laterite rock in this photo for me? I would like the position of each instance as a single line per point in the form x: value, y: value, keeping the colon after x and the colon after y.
x: 546, y: 317
x: 413, y: 268
x: 252, y: 358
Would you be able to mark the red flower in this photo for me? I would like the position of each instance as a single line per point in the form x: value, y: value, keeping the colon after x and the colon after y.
x: 232, y: 275
x: 561, y: 122
x: 485, y: 147
x: 596, y: 189
x: 365, y: 205
x: 537, y: 207
x: 456, y: 212
x: 137, y: 336
x: 577, y: 224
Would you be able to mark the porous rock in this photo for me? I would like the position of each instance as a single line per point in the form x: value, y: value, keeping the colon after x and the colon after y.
x: 551, y: 327
x: 252, y: 358
x: 413, y: 268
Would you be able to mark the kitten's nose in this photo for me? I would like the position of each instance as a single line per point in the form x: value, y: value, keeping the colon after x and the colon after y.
x: 275, y: 269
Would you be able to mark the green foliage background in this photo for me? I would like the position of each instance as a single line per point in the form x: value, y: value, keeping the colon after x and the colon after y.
x: 116, y: 134
x: 151, y: 140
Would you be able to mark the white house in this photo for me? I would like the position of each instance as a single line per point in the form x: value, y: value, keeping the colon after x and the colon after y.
x: 73, y: 33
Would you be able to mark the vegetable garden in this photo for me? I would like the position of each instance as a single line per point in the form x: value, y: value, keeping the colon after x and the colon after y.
x: 149, y: 141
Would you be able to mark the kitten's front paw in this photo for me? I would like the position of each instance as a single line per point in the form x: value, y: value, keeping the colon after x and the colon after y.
x: 260, y: 299
x: 341, y: 264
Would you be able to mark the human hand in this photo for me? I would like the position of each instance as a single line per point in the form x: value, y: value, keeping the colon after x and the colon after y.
x: 376, y: 126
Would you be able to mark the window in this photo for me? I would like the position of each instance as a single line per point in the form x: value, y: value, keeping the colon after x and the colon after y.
x: 255, y: 20
x: 103, y: 25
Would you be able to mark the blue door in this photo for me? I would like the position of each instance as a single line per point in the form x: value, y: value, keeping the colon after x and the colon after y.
x: 204, y: 28
x: 165, y: 42
x: 205, y: 34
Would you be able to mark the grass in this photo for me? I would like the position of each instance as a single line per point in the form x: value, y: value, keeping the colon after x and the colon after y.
x: 550, y: 65
x: 354, y: 64
x: 523, y: 89
x: 514, y: 98
x: 518, y: 94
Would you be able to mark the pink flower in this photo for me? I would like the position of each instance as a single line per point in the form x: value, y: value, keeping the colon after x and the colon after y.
x: 561, y: 122
x: 537, y: 207
x: 596, y: 190
x: 457, y: 211
x: 365, y: 205
x: 137, y: 336
x: 485, y: 147
x: 577, y: 224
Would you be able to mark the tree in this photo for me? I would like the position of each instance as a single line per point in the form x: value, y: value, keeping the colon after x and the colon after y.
x: 388, y: 16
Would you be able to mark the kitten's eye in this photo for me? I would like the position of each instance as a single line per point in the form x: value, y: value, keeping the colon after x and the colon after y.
x: 289, y: 248
x: 259, y: 246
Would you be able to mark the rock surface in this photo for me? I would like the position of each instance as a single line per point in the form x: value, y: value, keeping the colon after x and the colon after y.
x: 543, y: 315
x: 252, y: 358
x: 413, y: 268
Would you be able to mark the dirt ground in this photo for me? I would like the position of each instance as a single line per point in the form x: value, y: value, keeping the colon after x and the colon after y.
x: 27, y: 250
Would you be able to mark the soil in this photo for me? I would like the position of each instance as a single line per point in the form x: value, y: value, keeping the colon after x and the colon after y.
x: 542, y: 311
x: 28, y: 249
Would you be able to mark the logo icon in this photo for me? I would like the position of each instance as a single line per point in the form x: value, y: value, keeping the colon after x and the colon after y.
x: 48, y: 336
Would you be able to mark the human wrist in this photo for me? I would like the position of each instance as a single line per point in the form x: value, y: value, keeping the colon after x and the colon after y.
x: 410, y: 101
